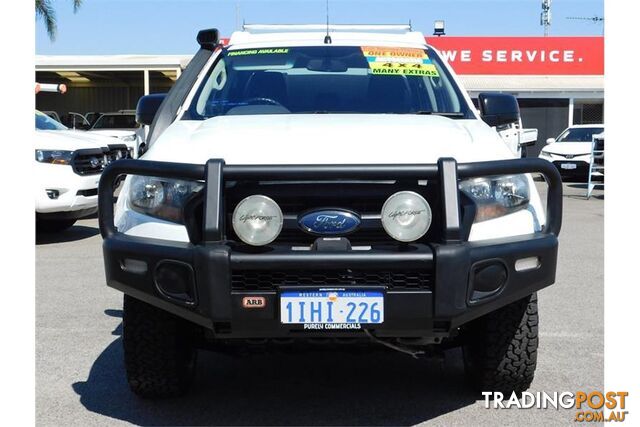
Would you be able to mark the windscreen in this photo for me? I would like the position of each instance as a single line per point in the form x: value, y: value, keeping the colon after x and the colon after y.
x: 579, y: 134
x: 116, y: 121
x: 328, y: 79
x: 44, y: 122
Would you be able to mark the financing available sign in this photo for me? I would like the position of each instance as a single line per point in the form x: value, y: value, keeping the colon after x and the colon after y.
x: 523, y: 55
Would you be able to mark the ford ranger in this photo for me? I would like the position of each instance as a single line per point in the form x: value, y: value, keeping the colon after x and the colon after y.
x: 332, y: 185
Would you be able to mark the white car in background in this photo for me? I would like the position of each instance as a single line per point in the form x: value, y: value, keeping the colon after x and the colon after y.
x: 571, y: 151
x: 122, y: 125
x: 67, y: 168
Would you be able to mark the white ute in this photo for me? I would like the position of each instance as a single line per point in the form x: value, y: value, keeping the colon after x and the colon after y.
x: 121, y: 125
x: 316, y: 183
x: 389, y: 124
x: 67, y: 167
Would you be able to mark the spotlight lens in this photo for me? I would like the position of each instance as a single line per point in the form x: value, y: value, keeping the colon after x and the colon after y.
x: 406, y: 216
x: 257, y: 220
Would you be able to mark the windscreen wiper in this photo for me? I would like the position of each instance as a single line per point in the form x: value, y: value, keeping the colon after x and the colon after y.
x: 440, y: 113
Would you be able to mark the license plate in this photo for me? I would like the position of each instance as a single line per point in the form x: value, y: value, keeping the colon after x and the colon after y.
x: 329, y: 307
x: 568, y: 166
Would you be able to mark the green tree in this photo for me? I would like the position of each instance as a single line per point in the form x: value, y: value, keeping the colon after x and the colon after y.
x: 46, y: 12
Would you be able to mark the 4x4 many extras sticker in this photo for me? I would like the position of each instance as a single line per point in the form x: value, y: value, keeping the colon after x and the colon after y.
x: 399, y: 61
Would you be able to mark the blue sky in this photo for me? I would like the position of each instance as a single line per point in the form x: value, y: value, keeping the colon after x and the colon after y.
x: 169, y: 26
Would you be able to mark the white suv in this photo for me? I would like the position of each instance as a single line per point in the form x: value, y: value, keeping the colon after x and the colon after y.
x: 68, y: 164
x: 327, y: 185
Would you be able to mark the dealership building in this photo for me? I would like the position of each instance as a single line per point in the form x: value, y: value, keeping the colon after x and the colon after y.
x: 558, y: 81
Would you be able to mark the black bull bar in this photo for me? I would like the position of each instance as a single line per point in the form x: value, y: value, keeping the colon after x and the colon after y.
x: 447, y: 171
x: 452, y: 257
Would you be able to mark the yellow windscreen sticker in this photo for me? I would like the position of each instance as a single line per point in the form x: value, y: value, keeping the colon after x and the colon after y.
x: 399, y: 61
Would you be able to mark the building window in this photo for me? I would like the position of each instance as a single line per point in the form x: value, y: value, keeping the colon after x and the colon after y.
x: 588, y: 112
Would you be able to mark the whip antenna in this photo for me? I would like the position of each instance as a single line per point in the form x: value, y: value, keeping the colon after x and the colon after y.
x: 327, y: 38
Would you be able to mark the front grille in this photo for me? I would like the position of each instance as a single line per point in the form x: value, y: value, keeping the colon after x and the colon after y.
x: 265, y: 280
x: 89, y: 162
x: 365, y: 198
x: 117, y: 152
x: 93, y: 161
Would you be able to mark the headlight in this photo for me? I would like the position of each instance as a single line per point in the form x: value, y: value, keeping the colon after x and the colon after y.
x: 56, y: 157
x: 161, y: 198
x: 406, y: 216
x: 497, y: 196
x: 545, y: 155
x: 128, y: 138
x: 257, y: 220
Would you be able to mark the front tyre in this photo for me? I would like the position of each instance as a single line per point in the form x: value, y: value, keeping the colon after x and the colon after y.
x: 501, y: 348
x: 159, y: 352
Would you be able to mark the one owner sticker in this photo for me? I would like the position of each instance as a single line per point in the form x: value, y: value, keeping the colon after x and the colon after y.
x: 399, y: 61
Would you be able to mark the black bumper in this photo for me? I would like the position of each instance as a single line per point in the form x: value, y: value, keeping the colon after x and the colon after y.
x: 453, y: 273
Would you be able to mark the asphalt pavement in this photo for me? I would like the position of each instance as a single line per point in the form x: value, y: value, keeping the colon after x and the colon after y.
x: 80, y: 374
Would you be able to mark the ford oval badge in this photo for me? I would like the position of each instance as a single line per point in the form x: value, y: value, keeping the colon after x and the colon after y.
x: 329, y: 221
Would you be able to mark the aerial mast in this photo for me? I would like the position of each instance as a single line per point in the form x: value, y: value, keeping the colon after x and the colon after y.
x: 545, y: 16
x: 238, y: 16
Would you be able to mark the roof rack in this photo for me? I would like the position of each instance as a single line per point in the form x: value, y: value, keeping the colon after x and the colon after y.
x: 283, y: 28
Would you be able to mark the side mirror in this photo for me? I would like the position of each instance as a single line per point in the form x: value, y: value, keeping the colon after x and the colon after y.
x: 551, y: 141
x: 148, y: 107
x: 499, y: 109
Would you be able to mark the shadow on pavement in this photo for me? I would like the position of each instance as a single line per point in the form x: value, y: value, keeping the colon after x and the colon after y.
x: 75, y: 233
x: 384, y: 388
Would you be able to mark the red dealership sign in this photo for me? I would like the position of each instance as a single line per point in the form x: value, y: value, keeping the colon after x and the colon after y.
x: 523, y: 55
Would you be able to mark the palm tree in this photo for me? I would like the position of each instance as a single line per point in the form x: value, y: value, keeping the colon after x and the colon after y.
x: 46, y: 12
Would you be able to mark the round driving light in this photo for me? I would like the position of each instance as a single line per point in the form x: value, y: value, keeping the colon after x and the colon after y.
x: 406, y: 216
x: 257, y: 220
